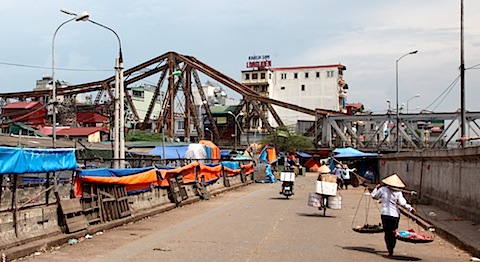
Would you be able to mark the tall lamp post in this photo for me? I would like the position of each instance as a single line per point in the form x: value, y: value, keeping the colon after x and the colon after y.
x: 415, y: 96
x: 211, y: 133
x: 80, y: 17
x: 236, y: 123
x: 396, y: 88
x: 119, y: 125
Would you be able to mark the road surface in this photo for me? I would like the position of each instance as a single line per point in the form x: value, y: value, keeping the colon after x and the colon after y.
x: 254, y: 223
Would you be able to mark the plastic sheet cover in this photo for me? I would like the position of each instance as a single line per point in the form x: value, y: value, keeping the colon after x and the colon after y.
x: 20, y: 160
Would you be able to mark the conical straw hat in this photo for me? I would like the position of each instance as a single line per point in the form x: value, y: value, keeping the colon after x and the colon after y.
x: 393, y: 181
x: 324, y: 169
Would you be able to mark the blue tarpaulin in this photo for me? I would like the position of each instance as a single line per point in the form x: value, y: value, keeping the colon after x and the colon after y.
x: 302, y: 154
x: 21, y: 160
x: 351, y: 153
x: 171, y: 152
x: 109, y: 172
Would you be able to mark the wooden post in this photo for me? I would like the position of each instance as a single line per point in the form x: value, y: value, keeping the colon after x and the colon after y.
x: 47, y: 185
x: 15, y: 204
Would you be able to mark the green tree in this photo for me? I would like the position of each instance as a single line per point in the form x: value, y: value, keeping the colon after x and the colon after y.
x: 284, y: 140
x: 140, y: 135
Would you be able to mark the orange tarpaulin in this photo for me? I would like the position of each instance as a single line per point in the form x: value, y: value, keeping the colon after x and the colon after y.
x: 215, y: 149
x: 144, y: 179
x: 312, y: 164
x: 271, y: 154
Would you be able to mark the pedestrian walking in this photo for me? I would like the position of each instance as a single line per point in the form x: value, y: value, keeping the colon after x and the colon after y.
x: 390, y: 213
x: 346, y: 175
x: 338, y: 172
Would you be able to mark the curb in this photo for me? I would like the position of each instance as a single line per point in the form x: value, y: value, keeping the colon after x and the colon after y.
x: 443, y: 232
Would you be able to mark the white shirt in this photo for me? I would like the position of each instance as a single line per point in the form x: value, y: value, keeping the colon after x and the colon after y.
x: 346, y: 175
x: 390, y: 200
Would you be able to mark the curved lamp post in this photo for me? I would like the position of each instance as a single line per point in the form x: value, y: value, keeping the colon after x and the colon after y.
x: 396, y: 88
x: 80, y: 17
x: 236, y: 123
x: 119, y: 125
x: 211, y: 133
x: 415, y: 96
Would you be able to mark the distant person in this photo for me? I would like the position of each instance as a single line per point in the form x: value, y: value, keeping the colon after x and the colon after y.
x: 338, y: 172
x: 390, y: 214
x: 369, y: 174
x: 346, y: 175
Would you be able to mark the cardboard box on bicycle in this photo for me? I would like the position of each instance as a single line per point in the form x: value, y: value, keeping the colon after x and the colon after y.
x: 326, y: 188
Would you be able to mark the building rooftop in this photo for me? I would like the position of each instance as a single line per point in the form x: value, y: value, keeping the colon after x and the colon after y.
x: 22, y: 105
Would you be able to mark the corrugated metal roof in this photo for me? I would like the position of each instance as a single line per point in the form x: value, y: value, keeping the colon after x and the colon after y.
x: 91, y: 117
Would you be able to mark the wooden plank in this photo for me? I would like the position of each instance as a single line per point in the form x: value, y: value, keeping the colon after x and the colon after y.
x: 76, y: 223
x: 71, y: 206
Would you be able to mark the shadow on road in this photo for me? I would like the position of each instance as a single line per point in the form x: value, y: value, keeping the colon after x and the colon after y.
x: 382, y: 253
x: 314, y: 215
x: 280, y: 198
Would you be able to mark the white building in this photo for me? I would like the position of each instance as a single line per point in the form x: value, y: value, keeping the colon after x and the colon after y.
x: 313, y: 87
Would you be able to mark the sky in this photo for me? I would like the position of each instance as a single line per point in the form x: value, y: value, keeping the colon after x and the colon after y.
x: 365, y: 36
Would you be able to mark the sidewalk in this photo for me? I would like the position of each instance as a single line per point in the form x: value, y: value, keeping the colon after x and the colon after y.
x: 463, y: 233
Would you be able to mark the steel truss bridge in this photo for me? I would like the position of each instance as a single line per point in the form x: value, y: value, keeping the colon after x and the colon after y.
x: 380, y: 131
x: 177, y: 76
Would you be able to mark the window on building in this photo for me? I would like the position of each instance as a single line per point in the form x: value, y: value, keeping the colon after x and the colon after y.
x: 269, y: 76
x: 303, y: 87
x: 262, y: 75
x: 317, y: 74
x: 295, y: 75
x: 330, y: 73
x: 282, y: 88
x: 306, y: 74
x: 284, y: 76
x: 247, y: 76
x: 181, y: 125
x: 254, y: 76
x: 137, y: 93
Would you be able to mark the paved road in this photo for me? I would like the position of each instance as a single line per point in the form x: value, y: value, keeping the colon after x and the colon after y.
x: 253, y: 223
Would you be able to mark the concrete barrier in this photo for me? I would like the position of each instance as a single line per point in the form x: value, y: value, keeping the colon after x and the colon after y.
x: 446, y: 178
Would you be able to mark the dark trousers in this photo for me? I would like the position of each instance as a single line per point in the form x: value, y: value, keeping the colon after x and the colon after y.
x: 339, y: 182
x: 390, y: 224
x: 346, y: 182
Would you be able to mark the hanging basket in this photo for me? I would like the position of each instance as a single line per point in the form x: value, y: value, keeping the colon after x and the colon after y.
x: 369, y: 229
x: 411, y: 236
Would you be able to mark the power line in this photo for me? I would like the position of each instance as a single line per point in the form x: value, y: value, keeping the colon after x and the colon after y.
x: 447, y: 91
x: 62, y: 69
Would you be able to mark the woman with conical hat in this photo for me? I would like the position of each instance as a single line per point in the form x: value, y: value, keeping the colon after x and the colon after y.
x: 390, y: 214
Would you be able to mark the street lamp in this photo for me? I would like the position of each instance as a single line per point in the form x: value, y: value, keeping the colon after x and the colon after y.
x: 80, y: 17
x: 211, y: 133
x: 388, y: 102
x: 396, y: 88
x: 415, y: 96
x: 236, y: 123
x: 119, y: 125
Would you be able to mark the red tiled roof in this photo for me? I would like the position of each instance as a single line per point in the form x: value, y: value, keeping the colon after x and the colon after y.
x: 355, y: 105
x: 80, y: 131
x: 90, y: 117
x: 22, y: 105
x: 72, y: 131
